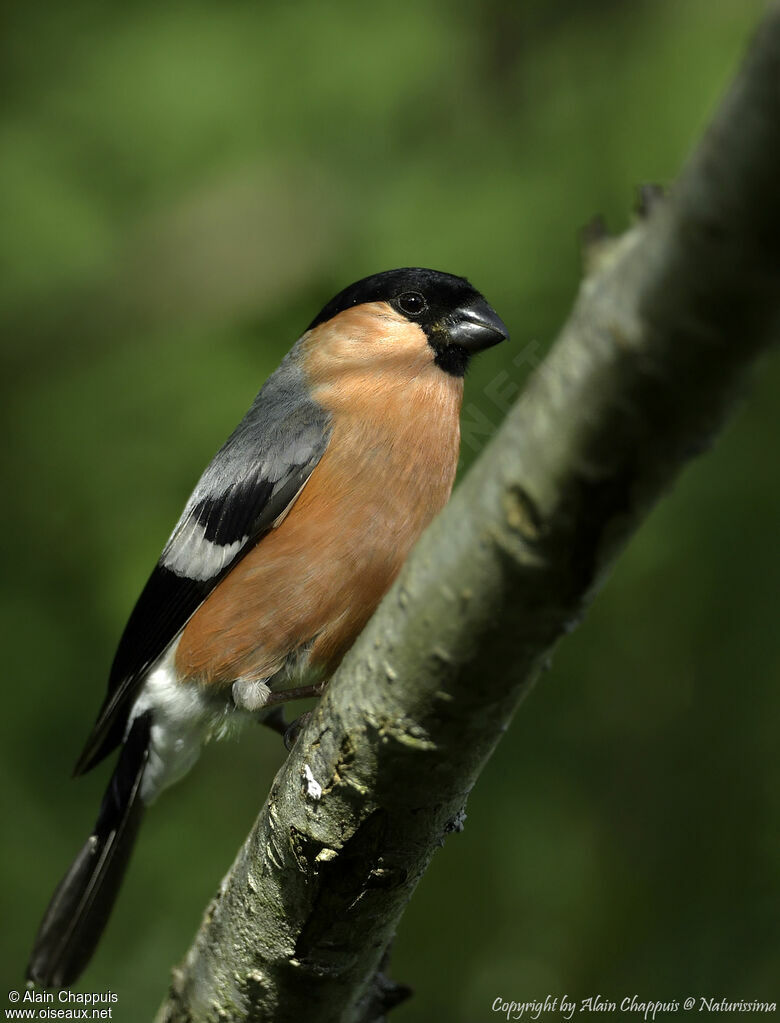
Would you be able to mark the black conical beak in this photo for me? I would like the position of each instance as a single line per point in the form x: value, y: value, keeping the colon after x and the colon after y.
x: 477, y: 326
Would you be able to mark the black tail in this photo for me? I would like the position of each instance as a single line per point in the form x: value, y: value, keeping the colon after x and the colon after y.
x: 81, y: 905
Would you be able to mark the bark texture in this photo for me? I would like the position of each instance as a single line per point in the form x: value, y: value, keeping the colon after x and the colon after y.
x: 655, y: 351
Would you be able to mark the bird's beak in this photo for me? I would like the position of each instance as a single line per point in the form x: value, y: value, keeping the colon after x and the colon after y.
x: 477, y: 326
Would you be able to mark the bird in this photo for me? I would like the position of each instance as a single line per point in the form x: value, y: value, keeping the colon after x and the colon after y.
x: 293, y: 534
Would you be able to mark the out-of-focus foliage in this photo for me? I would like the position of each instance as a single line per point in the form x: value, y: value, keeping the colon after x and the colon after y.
x: 181, y: 188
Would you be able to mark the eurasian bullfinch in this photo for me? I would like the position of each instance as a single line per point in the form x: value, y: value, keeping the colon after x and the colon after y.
x: 290, y: 539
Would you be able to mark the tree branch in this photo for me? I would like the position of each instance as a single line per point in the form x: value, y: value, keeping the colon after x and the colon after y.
x: 641, y: 376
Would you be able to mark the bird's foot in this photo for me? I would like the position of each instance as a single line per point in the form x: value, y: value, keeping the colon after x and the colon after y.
x: 294, y: 730
x: 275, y: 719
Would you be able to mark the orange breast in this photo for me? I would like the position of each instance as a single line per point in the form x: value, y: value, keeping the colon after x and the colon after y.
x: 319, y: 576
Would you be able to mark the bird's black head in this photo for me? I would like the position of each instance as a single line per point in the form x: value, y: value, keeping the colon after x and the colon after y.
x: 456, y: 319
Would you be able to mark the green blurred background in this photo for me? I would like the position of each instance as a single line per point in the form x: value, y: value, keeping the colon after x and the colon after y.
x: 181, y: 188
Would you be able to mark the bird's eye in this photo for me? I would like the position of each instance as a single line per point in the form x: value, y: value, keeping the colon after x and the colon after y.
x: 412, y: 303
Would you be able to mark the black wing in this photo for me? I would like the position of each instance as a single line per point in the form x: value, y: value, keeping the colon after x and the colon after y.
x: 251, y: 482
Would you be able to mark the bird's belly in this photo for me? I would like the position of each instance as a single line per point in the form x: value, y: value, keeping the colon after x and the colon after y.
x: 290, y: 609
x: 310, y: 585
